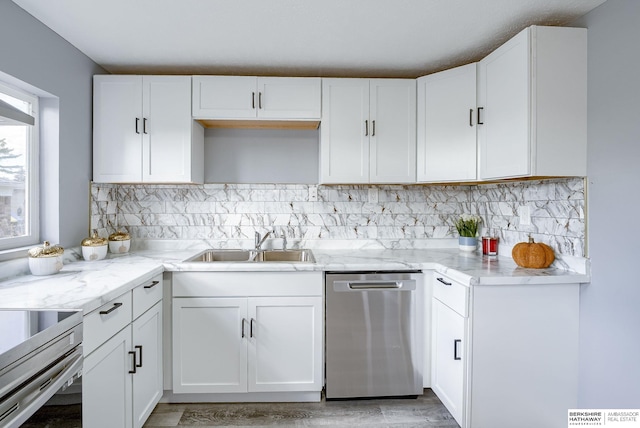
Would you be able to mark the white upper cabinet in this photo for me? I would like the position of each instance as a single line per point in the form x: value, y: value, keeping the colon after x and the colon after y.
x: 368, y: 131
x: 143, y: 130
x: 289, y: 97
x: 532, y: 97
x: 242, y: 97
x: 117, y: 142
x: 344, y: 135
x: 446, y: 148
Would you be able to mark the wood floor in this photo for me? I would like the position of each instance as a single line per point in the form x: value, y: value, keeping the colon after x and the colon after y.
x: 424, y: 411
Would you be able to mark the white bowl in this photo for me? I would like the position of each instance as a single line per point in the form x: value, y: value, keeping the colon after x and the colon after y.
x: 94, y: 253
x: 45, y: 265
x: 120, y: 247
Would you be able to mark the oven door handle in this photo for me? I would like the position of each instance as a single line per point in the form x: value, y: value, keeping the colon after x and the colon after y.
x: 74, y: 366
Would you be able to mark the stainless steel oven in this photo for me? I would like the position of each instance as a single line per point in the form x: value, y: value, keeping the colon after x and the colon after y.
x: 40, y: 355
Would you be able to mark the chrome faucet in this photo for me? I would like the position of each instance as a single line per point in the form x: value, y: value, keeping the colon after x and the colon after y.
x: 260, y: 240
x: 284, y: 241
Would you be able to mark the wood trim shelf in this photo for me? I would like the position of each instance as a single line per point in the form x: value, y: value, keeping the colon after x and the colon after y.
x: 260, y: 124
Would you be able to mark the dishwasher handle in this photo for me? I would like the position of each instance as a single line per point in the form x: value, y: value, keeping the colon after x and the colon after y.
x: 375, y: 285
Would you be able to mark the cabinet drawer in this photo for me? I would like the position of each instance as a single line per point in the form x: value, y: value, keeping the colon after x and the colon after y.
x: 106, y: 321
x: 451, y: 293
x: 146, y: 295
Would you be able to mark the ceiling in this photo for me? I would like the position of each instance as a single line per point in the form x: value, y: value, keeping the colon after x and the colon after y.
x: 368, y: 38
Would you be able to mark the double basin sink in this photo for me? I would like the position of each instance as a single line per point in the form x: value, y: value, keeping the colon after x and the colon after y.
x: 255, y: 256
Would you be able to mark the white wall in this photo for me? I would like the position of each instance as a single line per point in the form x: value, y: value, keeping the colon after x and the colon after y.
x: 32, y: 53
x: 261, y: 156
x: 610, y: 305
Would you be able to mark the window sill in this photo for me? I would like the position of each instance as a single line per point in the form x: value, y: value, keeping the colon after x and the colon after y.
x: 14, y: 253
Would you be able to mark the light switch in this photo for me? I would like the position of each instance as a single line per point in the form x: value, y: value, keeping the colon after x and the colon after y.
x: 313, y: 193
x: 525, y: 215
x: 373, y: 196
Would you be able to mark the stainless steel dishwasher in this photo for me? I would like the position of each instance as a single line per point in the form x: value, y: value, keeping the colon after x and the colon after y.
x: 373, y: 334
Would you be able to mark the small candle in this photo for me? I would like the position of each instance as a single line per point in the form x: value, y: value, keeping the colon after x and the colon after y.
x: 490, y: 245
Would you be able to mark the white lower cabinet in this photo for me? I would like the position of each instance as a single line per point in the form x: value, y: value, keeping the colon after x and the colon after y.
x: 449, y: 339
x: 505, y: 355
x: 106, y: 384
x: 247, y: 332
x: 448, y: 336
x: 210, y: 352
x: 147, y: 379
x: 122, y: 373
x: 282, y: 343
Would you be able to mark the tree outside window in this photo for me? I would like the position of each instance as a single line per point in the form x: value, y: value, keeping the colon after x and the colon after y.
x: 18, y: 173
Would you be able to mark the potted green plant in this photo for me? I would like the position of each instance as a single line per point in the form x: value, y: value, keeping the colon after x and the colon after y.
x: 467, y: 226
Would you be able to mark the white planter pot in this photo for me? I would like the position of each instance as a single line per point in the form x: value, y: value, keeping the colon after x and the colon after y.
x: 467, y: 244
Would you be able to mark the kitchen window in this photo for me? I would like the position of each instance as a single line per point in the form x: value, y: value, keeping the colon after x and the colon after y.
x: 18, y: 168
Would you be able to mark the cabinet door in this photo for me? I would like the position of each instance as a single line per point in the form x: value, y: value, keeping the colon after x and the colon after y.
x: 447, y: 125
x: 285, y: 344
x: 209, y: 345
x: 504, y: 99
x: 224, y: 97
x: 106, y: 384
x: 392, y: 131
x: 289, y: 97
x: 147, y: 381
x: 448, y: 356
x: 167, y: 129
x: 344, y: 132
x: 117, y: 129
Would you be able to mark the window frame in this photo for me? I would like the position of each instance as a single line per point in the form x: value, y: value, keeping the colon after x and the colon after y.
x: 32, y: 184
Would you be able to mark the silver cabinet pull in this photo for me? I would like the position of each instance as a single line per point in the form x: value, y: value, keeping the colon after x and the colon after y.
x: 366, y: 128
x: 260, y: 100
x: 373, y: 128
x: 144, y: 125
x: 251, y: 328
x: 137, y: 125
x: 244, y: 320
x: 111, y: 309
x: 478, y: 121
x: 253, y: 100
x: 470, y: 117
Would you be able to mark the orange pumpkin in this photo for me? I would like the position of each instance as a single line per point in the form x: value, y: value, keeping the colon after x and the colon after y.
x: 533, y: 255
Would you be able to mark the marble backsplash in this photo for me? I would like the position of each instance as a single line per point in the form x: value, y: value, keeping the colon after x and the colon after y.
x: 228, y: 215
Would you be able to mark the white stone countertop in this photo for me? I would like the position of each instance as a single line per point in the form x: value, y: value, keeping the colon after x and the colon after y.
x: 88, y: 285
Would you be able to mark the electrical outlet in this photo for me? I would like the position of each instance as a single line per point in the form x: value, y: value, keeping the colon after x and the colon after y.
x: 313, y: 193
x: 373, y: 196
x: 525, y: 215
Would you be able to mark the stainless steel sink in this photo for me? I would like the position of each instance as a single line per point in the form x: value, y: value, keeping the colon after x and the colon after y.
x: 224, y: 256
x: 253, y: 256
x: 295, y: 256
